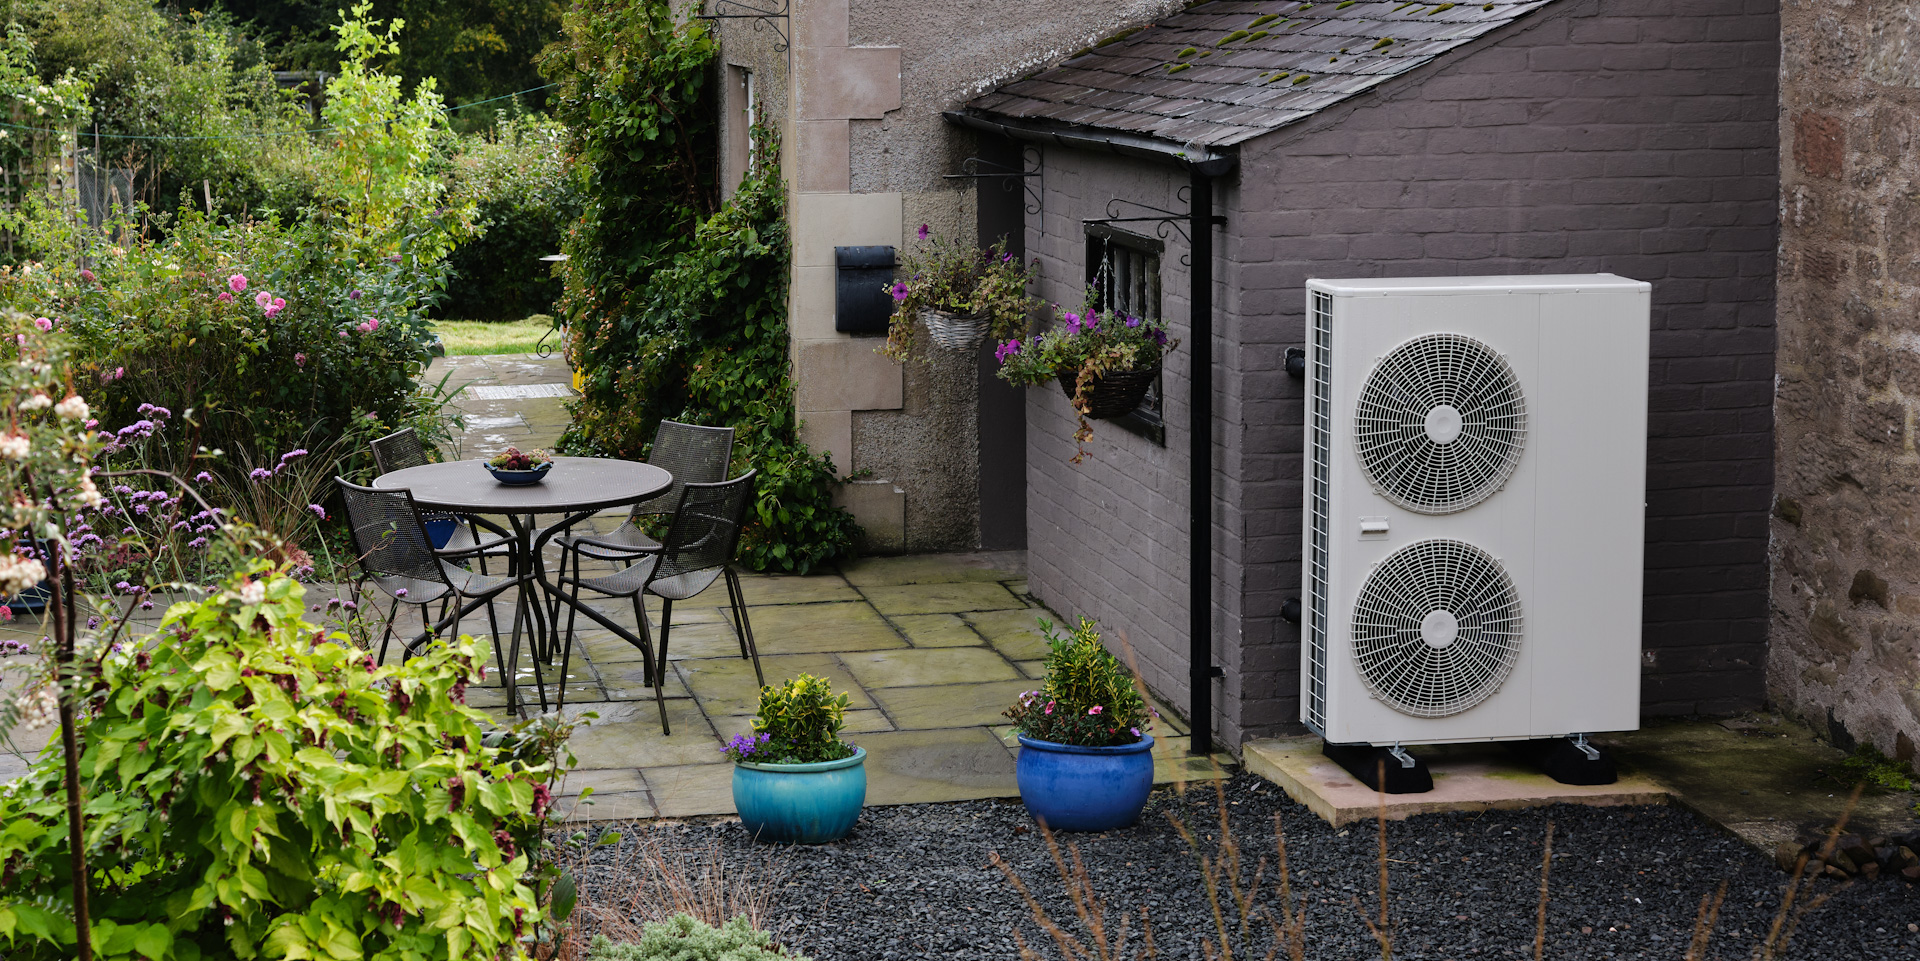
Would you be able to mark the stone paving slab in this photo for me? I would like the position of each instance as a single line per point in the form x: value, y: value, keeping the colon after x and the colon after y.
x: 1465, y: 778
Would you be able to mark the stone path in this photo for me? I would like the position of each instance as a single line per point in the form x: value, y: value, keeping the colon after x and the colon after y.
x: 510, y: 400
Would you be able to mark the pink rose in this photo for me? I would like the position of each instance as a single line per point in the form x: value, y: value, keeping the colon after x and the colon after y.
x: 300, y: 360
x: 237, y: 283
x: 264, y: 299
x: 225, y: 297
x: 43, y: 323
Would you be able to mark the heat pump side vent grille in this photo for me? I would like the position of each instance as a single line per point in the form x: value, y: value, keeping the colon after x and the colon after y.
x: 1319, y: 507
x: 1440, y: 423
x: 1436, y: 628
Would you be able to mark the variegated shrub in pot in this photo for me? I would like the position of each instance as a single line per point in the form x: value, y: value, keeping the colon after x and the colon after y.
x: 1086, y: 760
x: 794, y: 780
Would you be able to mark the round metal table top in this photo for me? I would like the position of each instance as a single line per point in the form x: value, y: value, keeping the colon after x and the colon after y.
x: 574, y: 484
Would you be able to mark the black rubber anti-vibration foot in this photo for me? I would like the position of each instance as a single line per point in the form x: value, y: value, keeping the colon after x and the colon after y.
x: 1365, y: 762
x: 1560, y: 759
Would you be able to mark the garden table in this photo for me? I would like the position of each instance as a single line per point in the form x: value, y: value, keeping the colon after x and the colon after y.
x: 576, y: 487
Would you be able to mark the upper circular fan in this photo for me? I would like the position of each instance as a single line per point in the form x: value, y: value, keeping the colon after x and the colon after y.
x: 1440, y: 423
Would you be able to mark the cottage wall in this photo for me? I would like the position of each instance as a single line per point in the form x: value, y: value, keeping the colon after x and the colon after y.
x: 1846, y: 562
x: 1634, y: 136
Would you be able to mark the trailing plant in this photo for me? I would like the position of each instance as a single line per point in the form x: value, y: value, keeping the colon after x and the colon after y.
x: 1085, y: 347
x: 798, y: 723
x: 257, y: 788
x: 956, y: 278
x: 676, y: 304
x: 1089, y: 698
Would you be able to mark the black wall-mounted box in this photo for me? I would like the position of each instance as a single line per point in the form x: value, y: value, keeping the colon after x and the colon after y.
x: 861, y: 303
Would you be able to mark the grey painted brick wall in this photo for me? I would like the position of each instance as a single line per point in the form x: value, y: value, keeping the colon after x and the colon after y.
x: 1636, y: 137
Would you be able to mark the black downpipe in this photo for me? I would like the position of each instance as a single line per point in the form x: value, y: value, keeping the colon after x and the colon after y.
x: 1200, y: 470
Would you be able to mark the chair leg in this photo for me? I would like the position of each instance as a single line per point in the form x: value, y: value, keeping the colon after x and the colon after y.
x: 393, y: 611
x: 646, y: 638
x: 511, y: 671
x: 660, y: 672
x: 748, y: 648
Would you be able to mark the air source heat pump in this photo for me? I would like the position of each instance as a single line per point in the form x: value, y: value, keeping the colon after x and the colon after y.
x: 1475, y: 498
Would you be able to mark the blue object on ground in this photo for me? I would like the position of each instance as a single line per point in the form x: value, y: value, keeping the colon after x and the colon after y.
x: 440, y: 530
x: 801, y: 803
x: 1072, y: 788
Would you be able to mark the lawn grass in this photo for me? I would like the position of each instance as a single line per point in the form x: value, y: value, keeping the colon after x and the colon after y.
x: 464, y: 337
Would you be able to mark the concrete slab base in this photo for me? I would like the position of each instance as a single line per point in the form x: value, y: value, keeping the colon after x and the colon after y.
x: 1465, y: 778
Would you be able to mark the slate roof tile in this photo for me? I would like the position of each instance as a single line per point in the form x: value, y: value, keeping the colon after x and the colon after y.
x: 1243, y: 87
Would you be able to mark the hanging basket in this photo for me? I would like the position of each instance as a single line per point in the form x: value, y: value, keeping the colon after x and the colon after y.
x: 955, y: 331
x: 1115, y: 393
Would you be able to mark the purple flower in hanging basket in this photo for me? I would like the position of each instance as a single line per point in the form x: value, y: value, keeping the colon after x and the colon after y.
x: 1133, y: 322
x: 1160, y: 337
x: 1006, y: 350
x: 1073, y: 322
x: 899, y: 291
x: 924, y: 231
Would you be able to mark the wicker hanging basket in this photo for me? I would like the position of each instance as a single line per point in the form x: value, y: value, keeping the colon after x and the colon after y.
x: 1115, y: 393
x: 955, y: 331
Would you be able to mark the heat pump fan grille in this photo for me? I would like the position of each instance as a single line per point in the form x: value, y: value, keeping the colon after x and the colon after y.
x: 1440, y: 423
x: 1436, y: 629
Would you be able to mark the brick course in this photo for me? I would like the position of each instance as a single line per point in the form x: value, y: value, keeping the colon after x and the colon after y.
x: 1634, y: 138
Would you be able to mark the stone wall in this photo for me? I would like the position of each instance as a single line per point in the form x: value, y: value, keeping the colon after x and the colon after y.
x: 1630, y: 136
x: 1846, y: 563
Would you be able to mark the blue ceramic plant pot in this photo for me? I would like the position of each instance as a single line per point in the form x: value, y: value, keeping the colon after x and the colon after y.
x: 1085, y: 788
x: 518, y: 478
x: 440, y: 530
x: 801, y: 803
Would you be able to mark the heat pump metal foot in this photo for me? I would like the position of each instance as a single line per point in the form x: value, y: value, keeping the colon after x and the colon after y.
x: 1569, y: 760
x: 1366, y: 762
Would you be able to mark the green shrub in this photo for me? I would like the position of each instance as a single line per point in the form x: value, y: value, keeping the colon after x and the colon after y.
x: 798, y: 723
x: 524, y: 201
x: 1088, y: 699
x: 255, y: 788
x: 683, y: 938
x: 676, y: 305
x: 160, y: 322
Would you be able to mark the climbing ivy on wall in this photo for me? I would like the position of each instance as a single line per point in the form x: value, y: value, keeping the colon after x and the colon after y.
x: 676, y: 303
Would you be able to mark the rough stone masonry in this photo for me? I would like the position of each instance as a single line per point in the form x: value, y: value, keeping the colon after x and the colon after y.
x: 1845, y: 640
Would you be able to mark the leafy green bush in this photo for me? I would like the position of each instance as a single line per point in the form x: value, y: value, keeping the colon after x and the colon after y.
x: 258, y: 789
x: 1088, y: 699
x: 524, y: 201
x: 676, y: 305
x: 683, y: 938
x: 798, y: 723
x: 336, y: 347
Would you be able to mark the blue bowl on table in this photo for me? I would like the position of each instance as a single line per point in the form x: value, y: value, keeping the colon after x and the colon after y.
x: 519, y: 478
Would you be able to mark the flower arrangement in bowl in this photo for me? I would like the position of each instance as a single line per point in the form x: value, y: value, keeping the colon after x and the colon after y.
x: 794, y: 780
x: 1086, y: 761
x: 1105, y: 362
x: 515, y: 467
x: 960, y: 292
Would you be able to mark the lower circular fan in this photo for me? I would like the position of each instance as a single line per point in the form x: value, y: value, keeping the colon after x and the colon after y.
x: 1436, y: 628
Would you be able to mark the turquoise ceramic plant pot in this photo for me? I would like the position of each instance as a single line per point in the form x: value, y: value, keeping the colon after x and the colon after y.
x: 801, y: 803
x: 1071, y: 788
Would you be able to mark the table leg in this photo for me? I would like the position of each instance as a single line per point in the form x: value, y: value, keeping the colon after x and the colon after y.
x: 527, y: 561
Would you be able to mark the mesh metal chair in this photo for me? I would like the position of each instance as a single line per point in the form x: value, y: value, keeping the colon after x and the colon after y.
x: 394, y: 552
x: 693, y: 455
x: 697, y: 551
x: 402, y: 449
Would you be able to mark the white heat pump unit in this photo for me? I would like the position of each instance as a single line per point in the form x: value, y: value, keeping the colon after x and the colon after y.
x: 1475, y: 500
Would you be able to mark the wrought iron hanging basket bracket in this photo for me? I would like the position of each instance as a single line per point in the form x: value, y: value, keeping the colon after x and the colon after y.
x: 977, y: 168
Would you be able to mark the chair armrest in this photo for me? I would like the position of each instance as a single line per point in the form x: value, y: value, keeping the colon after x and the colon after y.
x: 479, y: 547
x: 478, y: 521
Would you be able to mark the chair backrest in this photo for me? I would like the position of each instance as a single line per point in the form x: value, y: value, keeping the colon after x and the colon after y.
x: 398, y: 451
x: 692, y: 454
x: 388, y: 537
x: 705, y: 527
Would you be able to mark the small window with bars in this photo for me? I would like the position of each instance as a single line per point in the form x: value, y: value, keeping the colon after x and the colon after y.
x: 1123, y: 271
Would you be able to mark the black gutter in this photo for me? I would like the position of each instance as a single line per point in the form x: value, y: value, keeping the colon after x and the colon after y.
x: 1203, y: 164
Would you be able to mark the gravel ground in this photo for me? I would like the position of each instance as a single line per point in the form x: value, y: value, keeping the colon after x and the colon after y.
x: 916, y: 882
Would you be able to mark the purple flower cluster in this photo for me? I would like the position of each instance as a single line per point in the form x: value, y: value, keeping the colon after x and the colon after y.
x: 743, y: 747
x: 1006, y: 350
